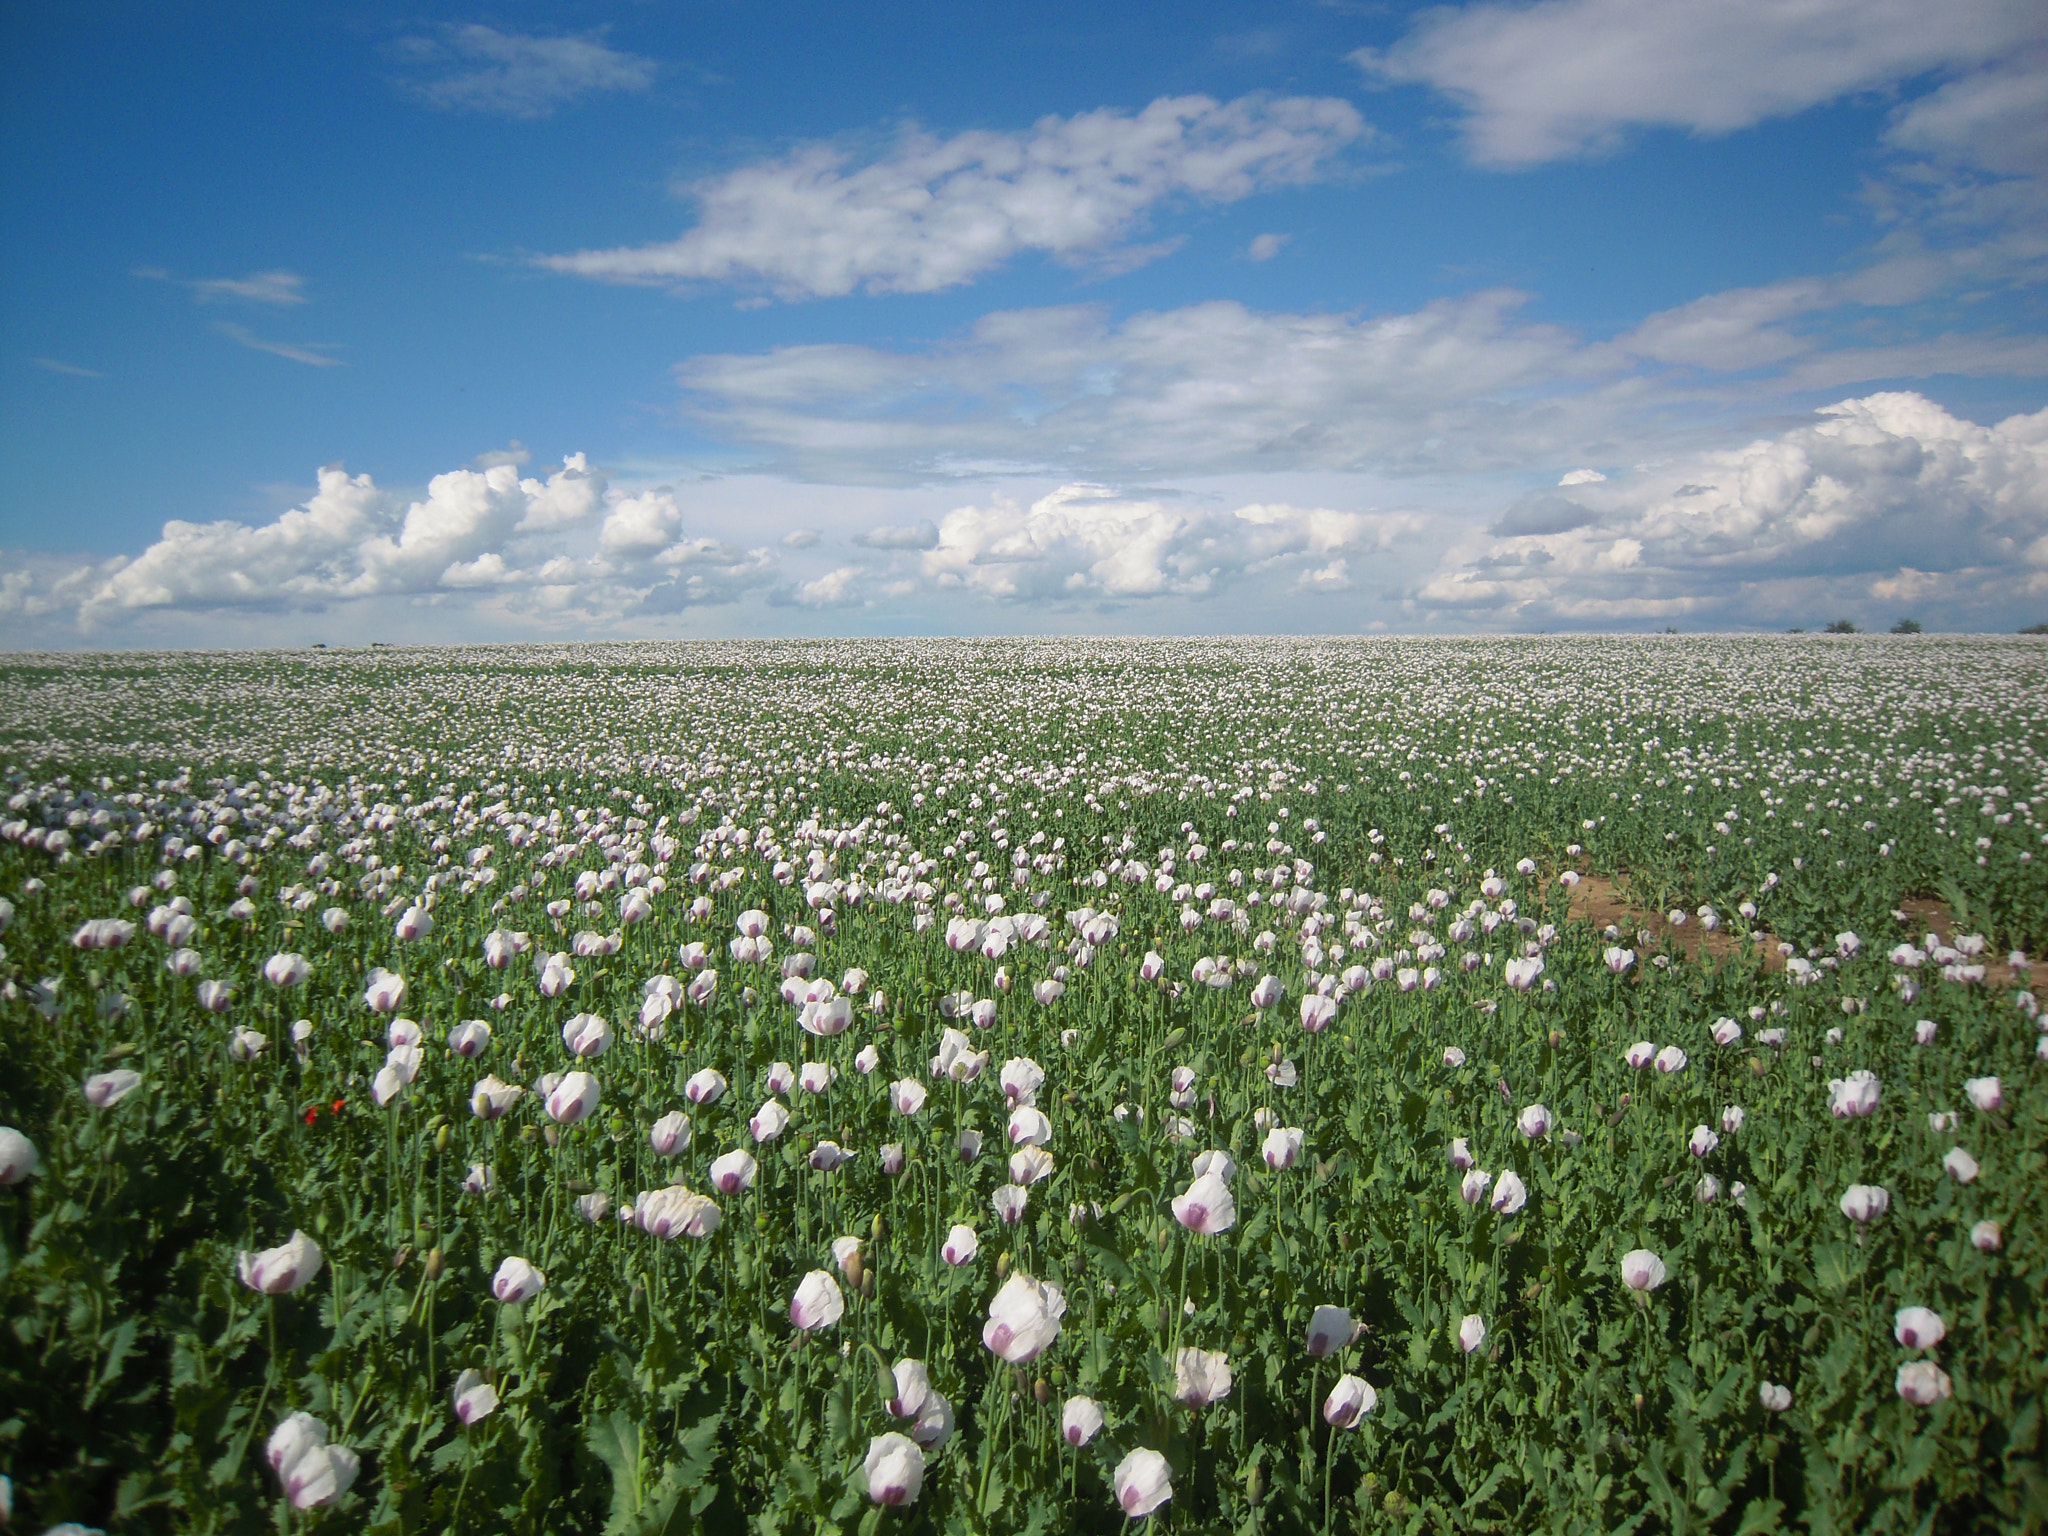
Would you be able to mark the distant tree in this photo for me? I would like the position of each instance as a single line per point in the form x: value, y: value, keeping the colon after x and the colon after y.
x: 1795, y: 630
x: 1670, y: 629
x: 2035, y: 629
x: 1842, y: 627
x: 1906, y: 627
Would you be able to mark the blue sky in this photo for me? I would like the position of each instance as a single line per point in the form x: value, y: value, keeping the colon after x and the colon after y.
x: 1574, y: 314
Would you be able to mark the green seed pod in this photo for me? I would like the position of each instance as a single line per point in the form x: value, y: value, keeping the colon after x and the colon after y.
x: 885, y: 1379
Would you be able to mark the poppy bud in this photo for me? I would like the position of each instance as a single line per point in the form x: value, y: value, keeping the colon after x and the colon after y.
x: 434, y: 1264
x: 441, y: 1139
x: 1041, y: 1391
x: 1002, y: 1265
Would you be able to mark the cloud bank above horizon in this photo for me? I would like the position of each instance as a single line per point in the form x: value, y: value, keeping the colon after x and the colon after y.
x: 1880, y: 503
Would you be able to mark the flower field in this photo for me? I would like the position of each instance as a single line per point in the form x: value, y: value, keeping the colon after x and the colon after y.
x: 1027, y: 1086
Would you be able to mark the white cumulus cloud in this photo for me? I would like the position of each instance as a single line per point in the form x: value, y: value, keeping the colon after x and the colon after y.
x: 929, y: 212
x: 1085, y: 542
x: 841, y: 588
x: 570, y: 545
x: 1882, y: 499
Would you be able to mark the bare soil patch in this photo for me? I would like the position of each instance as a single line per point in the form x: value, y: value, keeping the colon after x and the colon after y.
x: 1600, y: 900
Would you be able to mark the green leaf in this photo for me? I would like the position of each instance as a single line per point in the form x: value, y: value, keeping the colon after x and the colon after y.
x: 699, y: 1448
x: 615, y: 1440
x: 1835, y: 1266
x: 1761, y: 1516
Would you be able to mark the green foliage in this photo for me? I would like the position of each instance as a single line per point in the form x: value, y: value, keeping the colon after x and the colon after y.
x: 1800, y: 793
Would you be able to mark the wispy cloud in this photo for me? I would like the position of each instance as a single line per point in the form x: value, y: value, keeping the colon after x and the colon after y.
x: 931, y: 213
x: 1462, y: 385
x: 924, y: 535
x: 1568, y: 77
x: 519, y: 74
x: 280, y: 288
x: 54, y: 365
x: 243, y: 336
